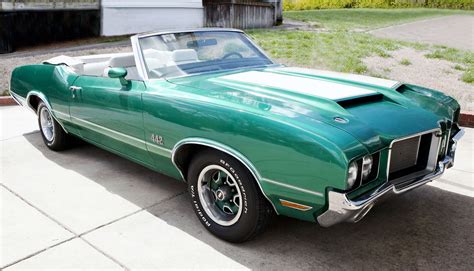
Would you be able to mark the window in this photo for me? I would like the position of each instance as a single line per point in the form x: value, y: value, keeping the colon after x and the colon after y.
x: 178, y: 54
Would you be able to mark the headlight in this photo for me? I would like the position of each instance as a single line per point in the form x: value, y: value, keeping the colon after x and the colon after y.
x: 367, y: 163
x: 352, y: 174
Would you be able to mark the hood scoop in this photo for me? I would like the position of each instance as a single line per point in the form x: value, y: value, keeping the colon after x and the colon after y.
x: 361, y: 100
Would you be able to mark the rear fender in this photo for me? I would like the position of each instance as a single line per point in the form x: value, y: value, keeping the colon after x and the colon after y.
x: 32, y: 95
x: 47, y: 83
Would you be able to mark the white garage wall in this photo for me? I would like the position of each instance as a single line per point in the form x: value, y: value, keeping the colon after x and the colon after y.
x: 121, y: 17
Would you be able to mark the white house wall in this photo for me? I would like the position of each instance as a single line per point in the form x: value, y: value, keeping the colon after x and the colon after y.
x: 121, y: 17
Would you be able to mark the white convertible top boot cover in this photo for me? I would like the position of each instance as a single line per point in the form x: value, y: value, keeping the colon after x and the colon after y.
x: 76, y: 64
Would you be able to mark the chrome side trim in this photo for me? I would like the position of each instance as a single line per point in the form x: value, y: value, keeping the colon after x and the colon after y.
x: 158, y: 150
x: 293, y: 187
x: 61, y: 114
x: 18, y: 99
x: 226, y: 149
x: 124, y: 137
x: 342, y: 209
x: 103, y: 130
x: 119, y: 136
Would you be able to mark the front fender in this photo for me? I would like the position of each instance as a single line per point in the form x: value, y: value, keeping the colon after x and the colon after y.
x: 294, y: 161
x: 437, y: 102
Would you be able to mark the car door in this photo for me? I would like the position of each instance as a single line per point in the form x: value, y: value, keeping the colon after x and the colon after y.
x: 110, y: 115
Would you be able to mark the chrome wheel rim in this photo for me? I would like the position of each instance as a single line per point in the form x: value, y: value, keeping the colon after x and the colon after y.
x: 47, y: 126
x: 220, y: 195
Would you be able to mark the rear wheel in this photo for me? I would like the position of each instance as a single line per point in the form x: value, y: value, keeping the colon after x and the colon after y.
x: 52, y: 133
x: 226, y: 198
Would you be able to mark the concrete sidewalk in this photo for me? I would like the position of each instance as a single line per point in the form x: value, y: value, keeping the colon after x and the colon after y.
x: 87, y: 208
x: 453, y: 31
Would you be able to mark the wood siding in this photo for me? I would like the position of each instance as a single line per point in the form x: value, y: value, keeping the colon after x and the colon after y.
x: 241, y: 14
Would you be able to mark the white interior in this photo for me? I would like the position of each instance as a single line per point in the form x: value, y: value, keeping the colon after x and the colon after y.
x: 98, y: 65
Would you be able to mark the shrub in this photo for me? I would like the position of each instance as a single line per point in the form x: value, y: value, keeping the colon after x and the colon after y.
x: 372, y: 3
x: 461, y: 4
x: 322, y: 4
x: 316, y: 4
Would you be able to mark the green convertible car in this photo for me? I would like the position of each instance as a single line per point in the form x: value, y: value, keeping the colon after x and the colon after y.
x: 251, y: 138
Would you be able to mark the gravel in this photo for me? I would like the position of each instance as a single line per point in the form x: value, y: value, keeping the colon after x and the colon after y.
x: 432, y: 73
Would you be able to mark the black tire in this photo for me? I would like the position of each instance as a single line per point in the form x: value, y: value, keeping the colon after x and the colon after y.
x: 256, y: 210
x: 60, y: 139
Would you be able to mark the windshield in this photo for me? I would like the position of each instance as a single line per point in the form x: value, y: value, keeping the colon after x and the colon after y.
x: 178, y: 54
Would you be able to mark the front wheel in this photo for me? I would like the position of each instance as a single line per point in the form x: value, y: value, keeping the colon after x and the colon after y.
x: 52, y: 133
x: 225, y: 197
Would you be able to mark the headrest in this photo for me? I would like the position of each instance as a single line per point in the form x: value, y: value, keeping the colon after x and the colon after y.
x: 154, y: 53
x: 184, y: 55
x: 124, y: 60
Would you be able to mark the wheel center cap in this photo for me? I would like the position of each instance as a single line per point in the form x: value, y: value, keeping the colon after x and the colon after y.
x: 223, y: 193
x: 220, y: 195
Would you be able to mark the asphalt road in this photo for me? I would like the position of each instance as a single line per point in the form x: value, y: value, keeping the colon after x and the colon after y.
x: 453, y: 31
x: 87, y: 208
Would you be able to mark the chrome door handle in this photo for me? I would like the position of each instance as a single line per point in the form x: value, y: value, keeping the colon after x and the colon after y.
x: 74, y: 90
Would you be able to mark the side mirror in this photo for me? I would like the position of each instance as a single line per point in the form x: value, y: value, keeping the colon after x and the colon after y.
x: 119, y: 73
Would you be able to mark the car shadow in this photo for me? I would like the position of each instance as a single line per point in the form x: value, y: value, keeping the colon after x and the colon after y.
x: 428, y: 228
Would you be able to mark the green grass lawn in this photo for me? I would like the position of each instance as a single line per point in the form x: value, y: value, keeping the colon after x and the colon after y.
x: 366, y: 19
x: 466, y: 58
x: 344, y: 51
x: 339, y: 51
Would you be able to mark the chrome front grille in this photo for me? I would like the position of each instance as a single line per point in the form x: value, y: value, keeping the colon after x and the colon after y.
x: 413, y: 156
x: 404, y: 154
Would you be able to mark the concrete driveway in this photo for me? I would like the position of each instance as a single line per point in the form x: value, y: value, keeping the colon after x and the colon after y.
x: 454, y: 31
x: 87, y: 208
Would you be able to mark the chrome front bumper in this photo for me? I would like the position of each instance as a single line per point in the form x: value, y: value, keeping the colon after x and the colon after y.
x: 342, y: 209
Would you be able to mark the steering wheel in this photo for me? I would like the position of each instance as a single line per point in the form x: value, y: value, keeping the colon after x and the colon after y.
x: 232, y: 54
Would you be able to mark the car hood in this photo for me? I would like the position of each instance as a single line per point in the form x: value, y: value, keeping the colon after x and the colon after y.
x: 373, y: 110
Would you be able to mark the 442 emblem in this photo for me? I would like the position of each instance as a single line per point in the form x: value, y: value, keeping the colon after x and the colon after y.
x: 157, y: 139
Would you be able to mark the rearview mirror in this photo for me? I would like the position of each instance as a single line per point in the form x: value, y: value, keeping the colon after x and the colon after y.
x: 119, y: 73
